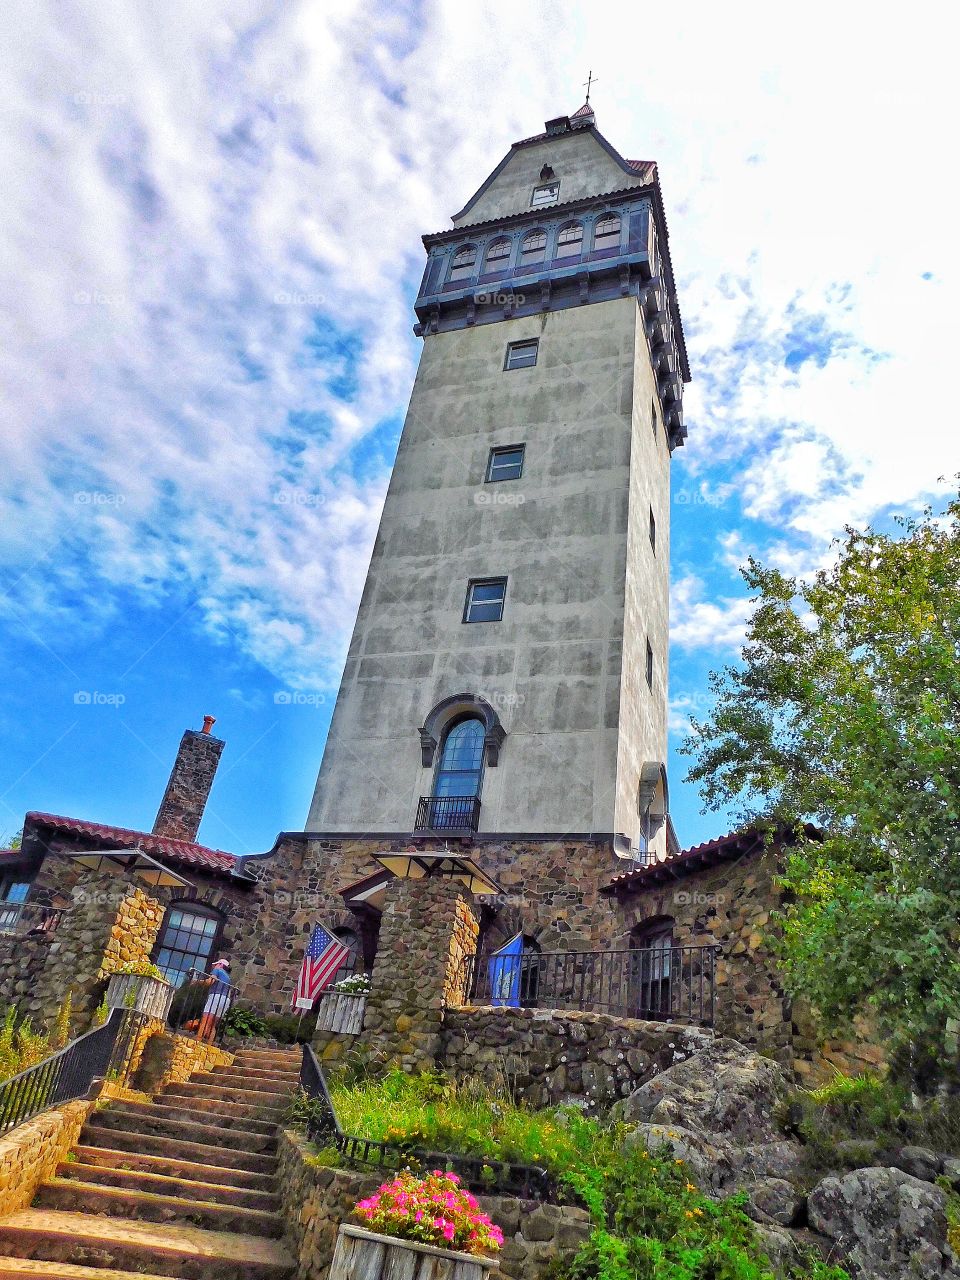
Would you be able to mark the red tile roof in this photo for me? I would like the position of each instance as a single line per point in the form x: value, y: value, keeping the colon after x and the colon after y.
x: 585, y: 110
x: 182, y: 851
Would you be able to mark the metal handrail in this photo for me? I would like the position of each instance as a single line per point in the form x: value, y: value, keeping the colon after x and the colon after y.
x: 479, y: 1173
x: 63, y: 1077
x: 448, y: 813
x: 212, y: 1001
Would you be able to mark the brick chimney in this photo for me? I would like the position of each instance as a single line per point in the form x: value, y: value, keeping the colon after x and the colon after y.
x: 190, y: 781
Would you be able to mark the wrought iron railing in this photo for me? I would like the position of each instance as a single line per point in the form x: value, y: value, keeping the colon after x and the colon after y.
x: 448, y: 813
x: 201, y: 1005
x: 28, y: 918
x: 497, y: 1177
x: 670, y: 984
x: 65, y: 1075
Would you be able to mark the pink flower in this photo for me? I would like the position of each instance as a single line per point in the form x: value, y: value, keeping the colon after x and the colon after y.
x: 448, y: 1231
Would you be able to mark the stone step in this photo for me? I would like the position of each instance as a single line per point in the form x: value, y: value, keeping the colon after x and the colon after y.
x: 163, y: 1184
x: 198, y: 1114
x: 147, y: 1206
x: 268, y: 1103
x: 35, y: 1269
x: 96, y: 1135
x: 260, y: 1081
x: 266, y: 1062
x: 169, y: 1166
x: 122, y: 1120
x: 188, y: 1253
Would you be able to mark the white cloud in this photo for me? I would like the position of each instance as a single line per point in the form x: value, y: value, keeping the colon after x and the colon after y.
x: 696, y: 623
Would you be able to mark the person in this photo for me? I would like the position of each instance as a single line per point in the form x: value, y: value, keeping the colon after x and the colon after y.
x: 218, y: 1000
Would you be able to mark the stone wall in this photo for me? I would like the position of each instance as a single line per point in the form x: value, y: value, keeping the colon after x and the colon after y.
x: 133, y: 932
x: 168, y: 1059
x: 427, y: 938
x: 316, y: 1199
x: 189, y: 786
x: 30, y: 1153
x: 547, y: 1057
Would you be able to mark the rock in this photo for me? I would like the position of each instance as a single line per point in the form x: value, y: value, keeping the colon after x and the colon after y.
x: 708, y: 1163
x: 919, y: 1163
x: 951, y: 1171
x: 773, y: 1200
x: 886, y: 1224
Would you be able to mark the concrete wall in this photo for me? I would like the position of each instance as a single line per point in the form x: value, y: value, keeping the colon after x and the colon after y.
x: 582, y: 165
x: 560, y: 534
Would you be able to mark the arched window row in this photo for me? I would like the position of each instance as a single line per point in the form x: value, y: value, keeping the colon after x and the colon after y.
x: 570, y: 242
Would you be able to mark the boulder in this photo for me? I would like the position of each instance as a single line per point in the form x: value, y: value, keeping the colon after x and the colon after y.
x: 773, y: 1201
x: 919, y: 1163
x: 886, y: 1224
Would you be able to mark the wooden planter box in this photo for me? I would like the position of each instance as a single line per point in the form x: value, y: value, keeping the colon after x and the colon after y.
x: 341, y: 1011
x: 152, y: 996
x: 364, y: 1255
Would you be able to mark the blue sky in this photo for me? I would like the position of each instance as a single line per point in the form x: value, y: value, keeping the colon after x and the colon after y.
x: 209, y: 247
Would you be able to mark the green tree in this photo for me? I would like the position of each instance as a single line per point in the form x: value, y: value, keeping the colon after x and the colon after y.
x: 845, y: 711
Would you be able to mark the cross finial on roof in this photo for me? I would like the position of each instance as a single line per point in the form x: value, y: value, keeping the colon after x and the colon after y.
x: 590, y: 80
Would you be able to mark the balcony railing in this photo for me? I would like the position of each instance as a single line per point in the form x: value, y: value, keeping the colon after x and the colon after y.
x: 28, y: 918
x: 448, y: 813
x: 669, y: 984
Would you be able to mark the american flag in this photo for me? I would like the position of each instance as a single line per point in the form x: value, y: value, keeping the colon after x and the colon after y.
x: 324, y: 956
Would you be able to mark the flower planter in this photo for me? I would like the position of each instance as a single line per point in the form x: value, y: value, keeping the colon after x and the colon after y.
x: 152, y: 996
x: 364, y: 1255
x: 341, y: 1011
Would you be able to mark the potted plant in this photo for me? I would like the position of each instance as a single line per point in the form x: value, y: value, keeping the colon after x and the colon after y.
x: 430, y: 1215
x: 140, y: 986
x: 342, y: 1007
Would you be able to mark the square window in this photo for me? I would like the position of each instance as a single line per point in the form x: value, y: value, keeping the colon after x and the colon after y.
x: 506, y: 463
x: 545, y: 193
x: 653, y: 530
x: 649, y: 666
x: 653, y: 416
x: 522, y: 355
x: 485, y: 598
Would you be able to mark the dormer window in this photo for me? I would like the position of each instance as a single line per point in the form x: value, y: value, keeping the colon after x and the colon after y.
x: 545, y: 193
x: 606, y: 234
x: 533, y: 247
x: 463, y: 263
x: 498, y: 255
x: 570, y: 241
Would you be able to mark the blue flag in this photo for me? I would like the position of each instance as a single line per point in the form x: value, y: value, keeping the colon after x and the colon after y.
x: 504, y: 971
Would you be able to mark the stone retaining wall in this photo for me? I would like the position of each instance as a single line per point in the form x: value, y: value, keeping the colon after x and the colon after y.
x: 168, y: 1059
x: 315, y: 1200
x: 30, y: 1153
x: 548, y: 1057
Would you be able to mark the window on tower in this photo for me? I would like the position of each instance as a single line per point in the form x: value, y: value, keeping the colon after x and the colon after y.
x: 498, y: 255
x: 533, y: 248
x: 485, y: 597
x: 649, y: 665
x: 464, y: 260
x: 522, y: 355
x: 606, y: 234
x: 653, y: 530
x: 570, y: 241
x: 505, y: 463
x: 545, y: 193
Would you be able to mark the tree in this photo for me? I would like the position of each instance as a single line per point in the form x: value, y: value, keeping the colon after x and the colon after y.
x: 845, y: 711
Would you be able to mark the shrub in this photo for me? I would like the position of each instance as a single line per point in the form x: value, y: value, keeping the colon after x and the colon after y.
x: 434, y: 1210
x: 139, y: 969
x: 244, y: 1022
x: 20, y: 1046
x: 358, y: 984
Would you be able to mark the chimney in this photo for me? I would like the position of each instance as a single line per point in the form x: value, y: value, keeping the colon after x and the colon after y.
x: 190, y: 781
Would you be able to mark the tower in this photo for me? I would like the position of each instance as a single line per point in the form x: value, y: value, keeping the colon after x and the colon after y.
x: 508, y: 667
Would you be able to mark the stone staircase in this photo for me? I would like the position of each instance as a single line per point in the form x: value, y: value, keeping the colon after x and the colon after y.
x: 180, y: 1187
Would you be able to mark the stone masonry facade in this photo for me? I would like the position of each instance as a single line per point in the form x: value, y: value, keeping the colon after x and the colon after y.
x: 189, y: 786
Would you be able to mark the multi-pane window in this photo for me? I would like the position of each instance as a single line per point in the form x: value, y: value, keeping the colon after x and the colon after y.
x: 498, y: 255
x: 545, y: 193
x: 653, y: 416
x: 649, y: 665
x: 460, y: 770
x: 186, y: 941
x: 485, y: 598
x: 533, y: 247
x: 461, y: 268
x: 570, y: 241
x: 653, y: 530
x: 505, y: 463
x: 12, y: 897
x: 606, y: 234
x: 522, y: 355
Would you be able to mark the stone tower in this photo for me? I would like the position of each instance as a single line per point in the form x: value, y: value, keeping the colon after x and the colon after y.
x: 508, y: 668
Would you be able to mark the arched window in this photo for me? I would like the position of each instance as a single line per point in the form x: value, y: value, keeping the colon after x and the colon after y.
x: 460, y: 771
x: 533, y: 248
x: 606, y: 234
x: 461, y: 268
x: 651, y: 967
x: 187, y: 939
x: 570, y: 241
x: 498, y: 255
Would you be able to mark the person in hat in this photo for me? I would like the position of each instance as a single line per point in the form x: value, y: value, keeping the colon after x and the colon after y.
x: 219, y: 999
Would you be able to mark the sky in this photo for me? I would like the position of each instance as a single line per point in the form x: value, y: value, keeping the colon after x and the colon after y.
x: 209, y: 251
